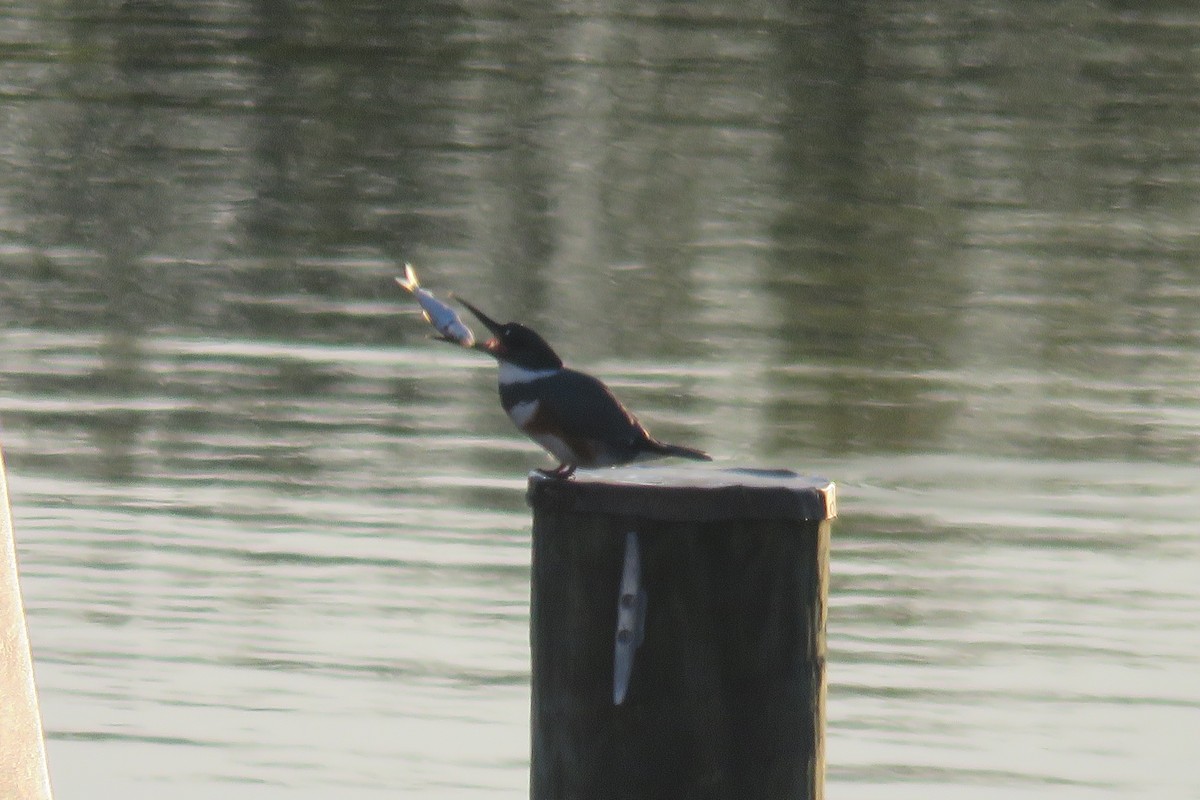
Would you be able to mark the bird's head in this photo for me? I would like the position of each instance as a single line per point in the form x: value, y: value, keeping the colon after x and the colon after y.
x: 514, y: 343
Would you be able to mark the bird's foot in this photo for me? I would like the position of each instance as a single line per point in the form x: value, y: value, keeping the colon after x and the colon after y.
x: 559, y: 473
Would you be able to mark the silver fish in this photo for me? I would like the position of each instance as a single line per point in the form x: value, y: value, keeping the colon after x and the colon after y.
x: 441, y: 316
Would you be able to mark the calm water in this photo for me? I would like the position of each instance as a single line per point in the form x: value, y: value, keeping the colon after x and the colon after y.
x: 273, y: 539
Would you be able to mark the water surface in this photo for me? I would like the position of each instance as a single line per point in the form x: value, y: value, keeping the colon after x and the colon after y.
x: 273, y: 538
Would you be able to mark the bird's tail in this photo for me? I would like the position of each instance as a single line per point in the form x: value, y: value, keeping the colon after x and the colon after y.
x: 678, y: 450
x: 409, y: 281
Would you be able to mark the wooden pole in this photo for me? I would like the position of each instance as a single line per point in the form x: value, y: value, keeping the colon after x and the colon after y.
x: 725, y: 590
x: 23, y: 774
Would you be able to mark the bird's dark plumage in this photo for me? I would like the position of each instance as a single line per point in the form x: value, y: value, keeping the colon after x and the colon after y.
x: 571, y: 414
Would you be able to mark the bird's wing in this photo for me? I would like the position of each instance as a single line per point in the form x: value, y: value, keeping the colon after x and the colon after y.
x: 586, y: 409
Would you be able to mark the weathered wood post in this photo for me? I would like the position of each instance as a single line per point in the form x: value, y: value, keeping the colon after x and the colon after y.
x: 23, y: 774
x: 686, y: 660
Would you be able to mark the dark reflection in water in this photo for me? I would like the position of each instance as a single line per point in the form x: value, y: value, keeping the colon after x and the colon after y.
x: 274, y: 538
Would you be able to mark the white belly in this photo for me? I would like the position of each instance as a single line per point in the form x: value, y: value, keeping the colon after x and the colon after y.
x: 555, y: 446
x: 521, y: 413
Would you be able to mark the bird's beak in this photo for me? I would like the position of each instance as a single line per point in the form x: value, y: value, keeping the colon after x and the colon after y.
x: 492, y: 346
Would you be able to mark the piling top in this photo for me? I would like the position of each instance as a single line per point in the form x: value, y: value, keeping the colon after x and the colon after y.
x: 687, y: 494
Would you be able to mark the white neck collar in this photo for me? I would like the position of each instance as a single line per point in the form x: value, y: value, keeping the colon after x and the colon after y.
x: 511, y: 373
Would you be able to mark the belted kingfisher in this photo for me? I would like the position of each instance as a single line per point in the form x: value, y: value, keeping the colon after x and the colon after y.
x: 569, y: 413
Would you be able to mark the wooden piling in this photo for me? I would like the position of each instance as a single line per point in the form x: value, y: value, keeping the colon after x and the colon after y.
x: 23, y: 774
x: 726, y: 693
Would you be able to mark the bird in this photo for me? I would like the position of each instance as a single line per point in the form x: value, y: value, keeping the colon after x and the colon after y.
x: 572, y: 415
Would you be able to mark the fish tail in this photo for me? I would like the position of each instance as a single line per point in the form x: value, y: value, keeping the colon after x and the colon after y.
x: 409, y: 281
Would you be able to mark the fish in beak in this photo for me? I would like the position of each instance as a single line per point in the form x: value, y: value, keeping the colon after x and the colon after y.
x: 492, y: 346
